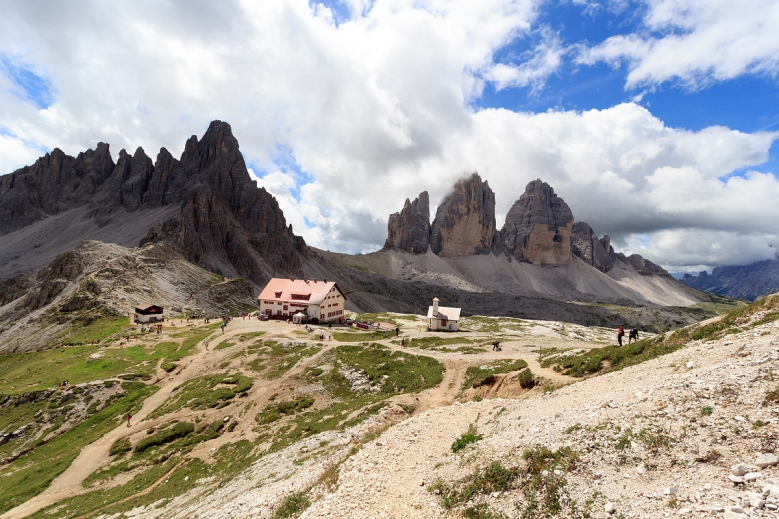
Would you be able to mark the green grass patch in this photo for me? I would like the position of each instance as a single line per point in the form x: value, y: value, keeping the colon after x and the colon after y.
x: 24, y: 372
x: 389, y: 372
x: 273, y: 412
x: 544, y: 482
x: 120, y: 446
x: 274, y: 359
x: 32, y: 473
x: 224, y: 345
x: 292, y: 505
x: 483, y: 481
x: 392, y: 371
x: 186, y: 348
x: 97, y: 330
x: 467, y: 438
x: 206, y: 392
x: 526, y: 379
x: 179, y: 430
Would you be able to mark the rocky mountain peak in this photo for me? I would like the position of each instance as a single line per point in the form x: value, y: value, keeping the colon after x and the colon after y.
x: 220, y: 218
x: 409, y: 230
x: 538, y: 227
x: 464, y: 223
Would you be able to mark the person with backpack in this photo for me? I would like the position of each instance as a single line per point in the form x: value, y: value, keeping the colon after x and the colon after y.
x: 620, y: 334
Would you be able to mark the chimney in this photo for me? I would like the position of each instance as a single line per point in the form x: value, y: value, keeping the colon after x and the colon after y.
x: 435, y: 306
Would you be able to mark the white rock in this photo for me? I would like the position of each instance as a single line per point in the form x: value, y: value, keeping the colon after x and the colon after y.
x: 766, y: 460
x: 640, y: 469
x: 707, y: 487
x: 756, y: 500
x: 685, y: 511
x: 751, y: 476
x: 739, y: 470
x: 729, y: 514
x: 736, y: 479
x: 669, y: 491
x: 610, y: 508
x: 690, y: 365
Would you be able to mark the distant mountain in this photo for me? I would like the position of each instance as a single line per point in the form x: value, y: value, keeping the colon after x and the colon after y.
x: 747, y: 282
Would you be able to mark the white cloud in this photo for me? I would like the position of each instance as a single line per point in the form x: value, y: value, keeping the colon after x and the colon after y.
x: 343, y: 121
x: 696, y: 248
x: 537, y: 65
x: 696, y: 42
x: 15, y: 153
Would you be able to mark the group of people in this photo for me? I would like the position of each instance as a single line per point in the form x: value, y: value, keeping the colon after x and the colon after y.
x: 632, y: 337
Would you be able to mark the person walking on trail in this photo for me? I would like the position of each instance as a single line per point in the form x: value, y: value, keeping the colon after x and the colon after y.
x: 223, y: 327
x: 128, y: 420
x: 620, y: 334
x: 633, y: 335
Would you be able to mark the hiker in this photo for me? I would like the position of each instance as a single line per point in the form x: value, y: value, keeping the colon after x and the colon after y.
x: 620, y: 334
x: 402, y: 342
x: 496, y: 346
x: 633, y: 335
x: 128, y: 420
x: 223, y: 328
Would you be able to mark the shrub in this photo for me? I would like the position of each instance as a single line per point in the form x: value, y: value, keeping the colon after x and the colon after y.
x: 526, y: 379
x: 707, y: 410
x: 492, y: 478
x: 466, y: 439
x: 292, y: 505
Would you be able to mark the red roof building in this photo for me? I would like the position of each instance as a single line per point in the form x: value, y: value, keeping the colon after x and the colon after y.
x: 284, y: 297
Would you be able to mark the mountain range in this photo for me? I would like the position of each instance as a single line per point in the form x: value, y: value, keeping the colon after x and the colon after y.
x: 206, y: 208
x: 748, y: 282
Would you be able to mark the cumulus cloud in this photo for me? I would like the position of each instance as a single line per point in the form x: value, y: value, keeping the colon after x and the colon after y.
x: 696, y: 43
x: 342, y: 117
x: 536, y: 65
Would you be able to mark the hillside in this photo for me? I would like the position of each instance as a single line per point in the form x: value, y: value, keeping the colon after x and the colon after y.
x: 89, y: 293
x: 269, y: 420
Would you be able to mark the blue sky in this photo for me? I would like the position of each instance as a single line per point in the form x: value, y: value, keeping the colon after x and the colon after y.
x: 656, y: 120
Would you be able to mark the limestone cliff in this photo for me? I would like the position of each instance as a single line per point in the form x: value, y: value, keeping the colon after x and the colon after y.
x: 586, y: 245
x: 409, y: 230
x: 464, y: 223
x: 538, y: 227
